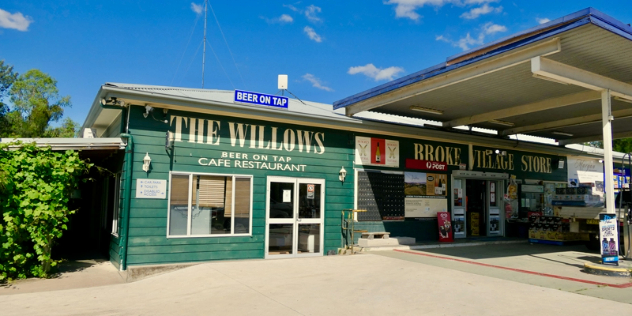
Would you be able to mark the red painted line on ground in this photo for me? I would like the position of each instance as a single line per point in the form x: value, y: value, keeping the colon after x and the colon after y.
x: 619, y: 286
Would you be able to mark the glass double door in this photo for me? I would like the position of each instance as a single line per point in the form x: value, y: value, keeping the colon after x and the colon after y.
x: 294, y: 220
x: 476, y: 208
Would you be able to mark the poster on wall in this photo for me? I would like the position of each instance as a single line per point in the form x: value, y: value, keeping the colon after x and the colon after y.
x: 609, y: 237
x: 425, y: 184
x: 588, y: 171
x: 371, y: 151
x: 459, y: 225
x: 424, y: 207
x: 458, y: 197
x: 494, y: 224
x: 445, y: 227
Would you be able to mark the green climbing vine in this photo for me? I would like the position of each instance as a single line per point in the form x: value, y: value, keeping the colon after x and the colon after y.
x: 35, y: 188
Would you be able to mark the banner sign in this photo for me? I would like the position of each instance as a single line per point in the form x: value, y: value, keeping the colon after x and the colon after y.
x: 445, y: 227
x: 371, y: 151
x: 609, y: 238
x: 261, y: 99
x: 426, y: 165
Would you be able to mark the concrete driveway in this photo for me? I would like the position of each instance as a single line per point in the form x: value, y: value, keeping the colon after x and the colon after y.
x: 364, y: 284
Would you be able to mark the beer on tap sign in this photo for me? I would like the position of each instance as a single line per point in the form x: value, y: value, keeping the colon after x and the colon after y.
x: 371, y: 151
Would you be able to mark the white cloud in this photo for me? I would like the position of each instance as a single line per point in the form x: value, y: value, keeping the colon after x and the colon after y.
x: 468, y: 41
x: 310, y: 13
x: 491, y: 28
x: 284, y: 18
x: 291, y: 7
x: 542, y: 20
x: 479, y: 1
x: 478, y: 11
x: 377, y: 74
x: 197, y: 8
x: 16, y: 21
x: 312, y: 34
x: 408, y: 8
x: 316, y: 82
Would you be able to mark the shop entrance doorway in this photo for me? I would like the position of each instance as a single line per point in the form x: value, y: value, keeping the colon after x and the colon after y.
x: 476, y: 208
x: 294, y: 217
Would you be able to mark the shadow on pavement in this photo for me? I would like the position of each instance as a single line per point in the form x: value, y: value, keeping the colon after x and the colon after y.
x: 506, y: 250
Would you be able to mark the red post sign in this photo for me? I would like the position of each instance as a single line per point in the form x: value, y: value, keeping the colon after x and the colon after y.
x: 445, y: 227
x: 426, y: 165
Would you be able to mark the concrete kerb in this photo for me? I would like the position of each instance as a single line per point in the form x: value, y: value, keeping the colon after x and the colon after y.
x: 598, y: 269
x: 443, y: 245
x: 135, y: 273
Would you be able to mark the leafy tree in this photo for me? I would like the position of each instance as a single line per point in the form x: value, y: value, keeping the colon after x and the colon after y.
x: 69, y: 128
x: 7, y: 77
x: 623, y: 145
x: 34, y: 203
x: 36, y: 103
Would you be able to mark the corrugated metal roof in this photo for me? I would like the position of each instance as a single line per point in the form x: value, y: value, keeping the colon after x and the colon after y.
x: 227, y: 97
x: 515, y: 41
x: 588, y: 40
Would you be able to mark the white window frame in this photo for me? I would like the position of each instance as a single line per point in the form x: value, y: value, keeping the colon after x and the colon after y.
x: 232, y: 219
x: 116, y: 205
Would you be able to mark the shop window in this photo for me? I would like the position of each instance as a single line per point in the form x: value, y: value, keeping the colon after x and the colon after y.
x: 209, y: 205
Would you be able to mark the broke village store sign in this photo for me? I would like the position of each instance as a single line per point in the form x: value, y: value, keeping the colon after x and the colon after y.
x: 428, y: 155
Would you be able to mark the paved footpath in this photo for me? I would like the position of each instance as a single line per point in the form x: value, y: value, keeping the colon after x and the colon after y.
x: 336, y: 285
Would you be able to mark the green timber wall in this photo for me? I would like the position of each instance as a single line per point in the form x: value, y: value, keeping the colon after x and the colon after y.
x: 148, y: 242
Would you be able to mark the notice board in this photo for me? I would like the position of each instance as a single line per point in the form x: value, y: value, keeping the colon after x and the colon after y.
x: 425, y: 207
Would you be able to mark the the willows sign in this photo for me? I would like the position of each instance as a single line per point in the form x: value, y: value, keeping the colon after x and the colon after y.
x: 248, y: 146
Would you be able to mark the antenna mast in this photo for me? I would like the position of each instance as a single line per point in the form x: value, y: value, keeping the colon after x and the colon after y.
x: 204, y: 51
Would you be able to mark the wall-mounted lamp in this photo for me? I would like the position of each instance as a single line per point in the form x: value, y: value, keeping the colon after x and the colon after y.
x: 342, y: 174
x: 500, y: 152
x: 146, y: 162
x: 112, y: 101
x: 148, y: 109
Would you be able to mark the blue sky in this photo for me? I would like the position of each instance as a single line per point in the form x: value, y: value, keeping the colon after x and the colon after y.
x: 330, y: 50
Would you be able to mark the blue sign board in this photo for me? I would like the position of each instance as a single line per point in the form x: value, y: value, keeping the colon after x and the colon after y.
x: 261, y: 99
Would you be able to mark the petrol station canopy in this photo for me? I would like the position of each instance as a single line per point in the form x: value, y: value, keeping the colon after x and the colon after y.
x: 549, y: 81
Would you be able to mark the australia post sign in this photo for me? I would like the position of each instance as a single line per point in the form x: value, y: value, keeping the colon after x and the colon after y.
x: 261, y: 99
x: 426, y: 165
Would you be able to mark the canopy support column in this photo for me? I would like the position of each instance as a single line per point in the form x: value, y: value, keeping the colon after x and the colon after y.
x: 606, y: 117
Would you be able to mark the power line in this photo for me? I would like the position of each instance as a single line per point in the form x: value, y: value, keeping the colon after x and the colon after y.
x: 204, y: 52
x: 185, y: 49
x: 220, y: 64
x: 227, y: 46
x: 192, y: 59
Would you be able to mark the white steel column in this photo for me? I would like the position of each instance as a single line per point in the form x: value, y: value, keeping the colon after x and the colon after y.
x: 606, y: 106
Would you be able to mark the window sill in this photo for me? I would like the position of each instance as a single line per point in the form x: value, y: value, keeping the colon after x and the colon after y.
x: 208, y: 236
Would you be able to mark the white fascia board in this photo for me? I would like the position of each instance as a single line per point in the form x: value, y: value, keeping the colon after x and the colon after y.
x: 72, y: 143
x: 563, y: 73
x: 455, y: 76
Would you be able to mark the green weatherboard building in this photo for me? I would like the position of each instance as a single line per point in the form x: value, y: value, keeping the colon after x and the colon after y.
x: 202, y: 177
